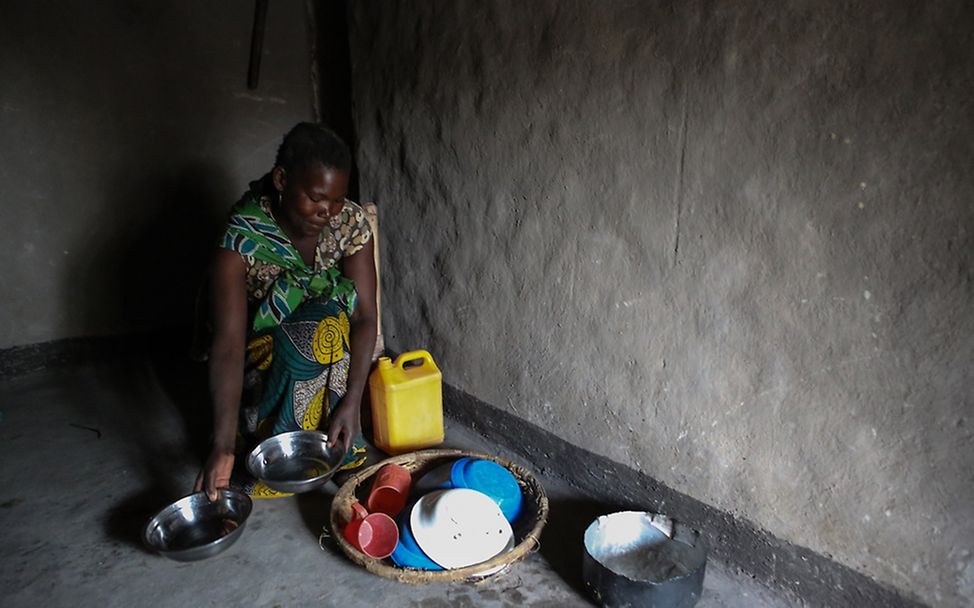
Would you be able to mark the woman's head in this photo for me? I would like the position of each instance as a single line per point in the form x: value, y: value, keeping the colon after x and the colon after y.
x: 311, y: 175
x: 309, y: 144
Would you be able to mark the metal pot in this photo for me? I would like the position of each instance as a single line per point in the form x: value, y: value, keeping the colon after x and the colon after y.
x: 636, y: 558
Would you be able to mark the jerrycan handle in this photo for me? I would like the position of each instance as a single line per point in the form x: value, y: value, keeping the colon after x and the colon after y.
x: 414, y: 355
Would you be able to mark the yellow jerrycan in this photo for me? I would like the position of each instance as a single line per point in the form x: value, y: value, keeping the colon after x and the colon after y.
x: 407, y: 403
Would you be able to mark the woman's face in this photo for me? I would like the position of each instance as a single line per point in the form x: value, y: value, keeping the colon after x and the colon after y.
x: 309, y: 197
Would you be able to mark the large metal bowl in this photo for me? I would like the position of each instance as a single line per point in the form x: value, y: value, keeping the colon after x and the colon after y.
x: 636, y: 558
x: 194, y: 528
x: 299, y: 461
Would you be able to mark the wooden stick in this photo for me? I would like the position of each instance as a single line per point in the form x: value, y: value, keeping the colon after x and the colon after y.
x: 372, y: 213
x: 257, y: 43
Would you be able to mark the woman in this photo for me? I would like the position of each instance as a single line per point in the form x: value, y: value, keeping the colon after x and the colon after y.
x: 292, y: 309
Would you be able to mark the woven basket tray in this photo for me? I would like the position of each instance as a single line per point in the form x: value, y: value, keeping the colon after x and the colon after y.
x: 527, y: 530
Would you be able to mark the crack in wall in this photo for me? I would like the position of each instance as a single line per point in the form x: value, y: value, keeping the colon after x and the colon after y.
x: 678, y: 186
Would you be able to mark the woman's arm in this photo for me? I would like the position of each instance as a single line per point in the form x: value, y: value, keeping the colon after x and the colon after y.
x: 346, y: 422
x: 228, y: 313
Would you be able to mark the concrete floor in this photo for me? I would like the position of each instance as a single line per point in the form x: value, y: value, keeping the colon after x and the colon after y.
x: 91, y: 452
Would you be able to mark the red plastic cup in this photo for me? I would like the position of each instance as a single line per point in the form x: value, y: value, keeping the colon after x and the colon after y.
x: 375, y: 534
x: 390, y: 490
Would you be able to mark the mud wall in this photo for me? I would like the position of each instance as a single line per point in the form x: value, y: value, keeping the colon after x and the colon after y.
x: 728, y: 245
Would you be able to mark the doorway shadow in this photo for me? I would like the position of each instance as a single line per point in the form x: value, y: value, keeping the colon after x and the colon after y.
x: 139, y: 276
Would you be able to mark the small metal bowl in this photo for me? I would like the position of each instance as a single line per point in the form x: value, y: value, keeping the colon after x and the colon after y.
x: 299, y: 461
x: 194, y: 528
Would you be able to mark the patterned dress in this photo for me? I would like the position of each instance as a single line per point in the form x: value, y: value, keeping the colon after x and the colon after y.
x: 298, y: 345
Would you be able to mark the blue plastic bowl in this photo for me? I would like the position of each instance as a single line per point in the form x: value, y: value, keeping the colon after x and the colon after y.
x: 457, y: 479
x: 443, y: 477
x: 407, y: 553
x: 493, y: 480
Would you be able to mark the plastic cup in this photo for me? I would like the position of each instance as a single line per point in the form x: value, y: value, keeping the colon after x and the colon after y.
x: 374, y: 534
x: 390, y: 490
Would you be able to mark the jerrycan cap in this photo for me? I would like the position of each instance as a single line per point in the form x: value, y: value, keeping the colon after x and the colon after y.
x: 385, y: 363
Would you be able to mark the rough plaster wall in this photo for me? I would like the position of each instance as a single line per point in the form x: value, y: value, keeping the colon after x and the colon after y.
x: 728, y: 245
x: 128, y: 131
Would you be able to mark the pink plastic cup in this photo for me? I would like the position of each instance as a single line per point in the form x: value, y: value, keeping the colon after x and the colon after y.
x: 390, y: 490
x: 375, y: 534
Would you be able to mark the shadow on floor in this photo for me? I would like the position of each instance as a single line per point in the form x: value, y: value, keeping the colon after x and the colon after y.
x: 562, y: 539
x: 160, y: 443
x: 314, y: 508
x: 126, y: 521
x: 186, y: 384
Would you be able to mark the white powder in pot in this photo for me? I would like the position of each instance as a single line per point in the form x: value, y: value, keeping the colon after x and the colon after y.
x: 656, y: 562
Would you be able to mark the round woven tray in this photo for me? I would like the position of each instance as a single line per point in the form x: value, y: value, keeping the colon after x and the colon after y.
x: 527, y: 530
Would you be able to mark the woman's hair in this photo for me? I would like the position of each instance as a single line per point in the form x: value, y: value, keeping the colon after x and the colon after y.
x: 309, y: 143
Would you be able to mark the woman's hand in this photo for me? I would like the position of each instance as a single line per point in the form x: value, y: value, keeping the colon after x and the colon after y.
x: 215, y: 473
x: 346, y: 423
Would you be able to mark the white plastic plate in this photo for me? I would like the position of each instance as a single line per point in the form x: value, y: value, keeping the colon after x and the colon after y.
x: 460, y: 527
